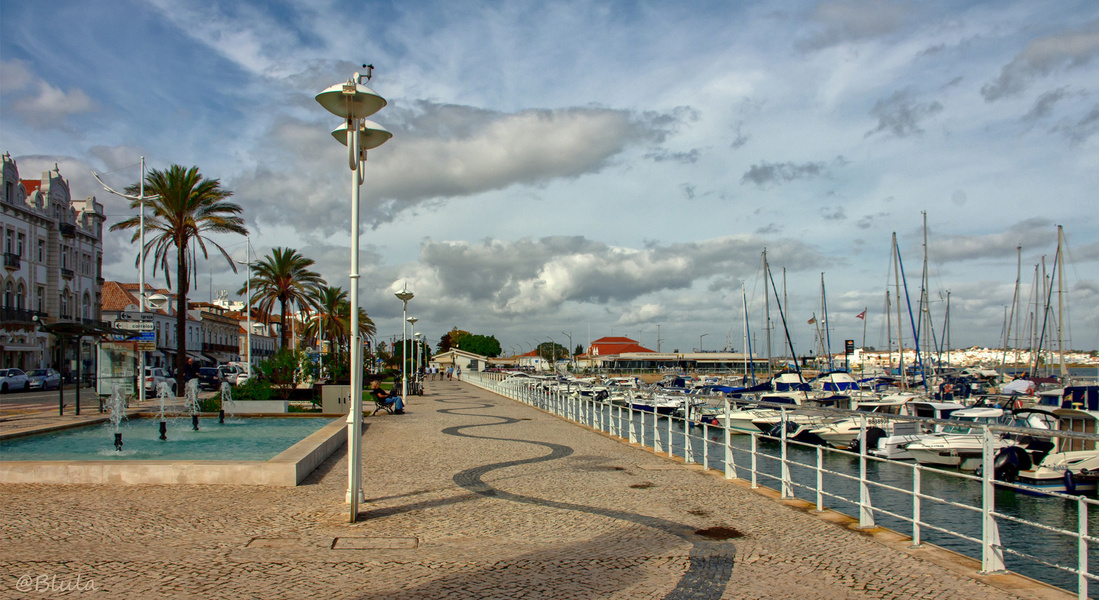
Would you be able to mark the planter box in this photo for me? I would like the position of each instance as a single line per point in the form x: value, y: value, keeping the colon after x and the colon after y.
x: 251, y: 407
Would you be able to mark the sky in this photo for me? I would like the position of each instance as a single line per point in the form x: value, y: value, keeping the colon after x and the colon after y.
x: 571, y: 170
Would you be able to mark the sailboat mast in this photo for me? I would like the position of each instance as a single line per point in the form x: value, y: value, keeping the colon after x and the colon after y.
x: 767, y: 312
x: 900, y: 325
x: 1061, y: 302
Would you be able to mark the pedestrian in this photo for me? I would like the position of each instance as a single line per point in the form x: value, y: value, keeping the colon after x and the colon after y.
x: 449, y: 373
x: 458, y: 372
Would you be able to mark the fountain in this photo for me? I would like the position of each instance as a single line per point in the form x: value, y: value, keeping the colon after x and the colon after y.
x: 162, y: 391
x: 116, y: 406
x: 190, y: 401
x: 227, y: 404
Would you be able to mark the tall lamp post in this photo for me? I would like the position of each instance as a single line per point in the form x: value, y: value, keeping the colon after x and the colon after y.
x: 141, y: 198
x: 353, y: 102
x: 404, y: 296
x: 412, y: 332
x: 248, y: 302
x: 416, y: 357
x: 700, y: 341
x: 569, y: 335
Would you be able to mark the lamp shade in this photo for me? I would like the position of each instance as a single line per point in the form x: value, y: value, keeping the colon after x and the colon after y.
x: 351, y: 101
x: 371, y: 134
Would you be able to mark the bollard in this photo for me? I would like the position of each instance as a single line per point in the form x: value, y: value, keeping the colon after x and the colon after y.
x: 163, y: 430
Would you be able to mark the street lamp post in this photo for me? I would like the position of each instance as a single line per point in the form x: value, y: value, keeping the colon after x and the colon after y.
x: 353, y: 102
x: 700, y: 341
x: 412, y: 330
x: 416, y: 358
x: 141, y: 198
x: 404, y: 296
x: 570, y: 355
x: 248, y: 302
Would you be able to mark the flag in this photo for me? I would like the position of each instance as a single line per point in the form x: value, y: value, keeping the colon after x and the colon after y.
x: 812, y: 319
x: 861, y: 315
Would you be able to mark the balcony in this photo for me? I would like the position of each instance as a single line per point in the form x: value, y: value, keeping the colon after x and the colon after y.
x: 11, y: 260
x: 9, y: 314
x: 67, y: 273
x: 67, y: 229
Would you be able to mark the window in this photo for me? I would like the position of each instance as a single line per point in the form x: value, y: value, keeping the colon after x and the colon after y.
x: 8, y: 296
x: 20, y: 243
x: 41, y: 299
x: 19, y: 297
x: 9, y: 192
x: 41, y: 250
x: 87, y: 307
x: 10, y: 242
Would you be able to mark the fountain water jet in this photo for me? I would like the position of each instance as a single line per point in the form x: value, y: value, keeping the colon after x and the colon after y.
x: 190, y: 401
x: 227, y: 404
x: 162, y: 391
x: 116, y: 404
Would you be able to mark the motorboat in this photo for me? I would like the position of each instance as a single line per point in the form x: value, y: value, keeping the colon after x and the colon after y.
x: 1065, y: 465
x: 962, y: 445
x: 892, y: 442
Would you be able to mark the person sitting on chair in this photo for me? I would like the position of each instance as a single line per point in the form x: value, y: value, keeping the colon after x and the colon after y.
x: 391, y: 398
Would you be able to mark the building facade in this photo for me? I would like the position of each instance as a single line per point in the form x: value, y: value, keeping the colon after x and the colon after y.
x: 53, y: 258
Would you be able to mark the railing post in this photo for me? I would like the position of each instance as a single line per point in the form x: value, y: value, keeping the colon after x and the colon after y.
x: 917, y: 479
x: 992, y: 554
x: 657, y: 446
x: 730, y: 462
x: 1082, y: 550
x: 706, y: 445
x: 668, y: 440
x: 787, y: 490
x: 820, y: 479
x: 755, y: 458
x: 632, y: 427
x: 866, y: 509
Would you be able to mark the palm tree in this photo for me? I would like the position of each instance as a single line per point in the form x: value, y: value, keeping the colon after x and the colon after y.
x: 283, y: 275
x: 186, y: 207
x: 332, y: 319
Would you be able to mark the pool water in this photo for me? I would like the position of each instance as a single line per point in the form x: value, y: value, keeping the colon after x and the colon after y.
x: 237, y: 439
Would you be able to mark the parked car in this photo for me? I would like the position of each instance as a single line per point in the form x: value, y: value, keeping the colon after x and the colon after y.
x: 229, y: 373
x: 210, y: 378
x: 154, y: 376
x: 44, y: 379
x: 13, y: 379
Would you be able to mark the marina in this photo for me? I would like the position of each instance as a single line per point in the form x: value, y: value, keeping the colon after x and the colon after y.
x: 1039, y: 533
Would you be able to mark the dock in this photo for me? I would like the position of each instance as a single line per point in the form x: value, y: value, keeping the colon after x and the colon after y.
x: 471, y: 496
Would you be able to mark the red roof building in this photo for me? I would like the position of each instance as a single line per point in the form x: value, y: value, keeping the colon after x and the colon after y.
x: 615, y: 345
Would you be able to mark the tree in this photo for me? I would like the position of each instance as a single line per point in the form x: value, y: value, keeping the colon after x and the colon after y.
x: 329, y: 319
x: 185, y: 208
x: 579, y: 350
x: 283, y: 275
x: 463, y: 340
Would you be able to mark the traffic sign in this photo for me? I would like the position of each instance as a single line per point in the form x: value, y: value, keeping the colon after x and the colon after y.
x: 146, y: 346
x: 135, y: 325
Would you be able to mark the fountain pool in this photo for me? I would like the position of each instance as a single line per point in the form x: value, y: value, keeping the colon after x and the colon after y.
x: 236, y: 439
x: 241, y: 451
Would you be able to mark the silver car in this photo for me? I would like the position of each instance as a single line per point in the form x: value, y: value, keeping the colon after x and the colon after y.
x: 13, y: 379
x: 44, y: 379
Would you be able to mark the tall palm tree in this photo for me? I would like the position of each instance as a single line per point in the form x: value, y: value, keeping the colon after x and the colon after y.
x: 332, y: 320
x: 283, y: 275
x: 187, y: 206
x: 329, y: 321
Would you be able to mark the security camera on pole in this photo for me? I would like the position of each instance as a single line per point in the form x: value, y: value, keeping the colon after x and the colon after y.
x: 353, y: 102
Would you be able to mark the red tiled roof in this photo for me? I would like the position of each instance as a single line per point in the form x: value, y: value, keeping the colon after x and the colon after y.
x: 31, y: 185
x: 615, y: 345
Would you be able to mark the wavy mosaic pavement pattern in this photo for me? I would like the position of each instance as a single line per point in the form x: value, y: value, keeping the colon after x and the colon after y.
x: 711, y: 562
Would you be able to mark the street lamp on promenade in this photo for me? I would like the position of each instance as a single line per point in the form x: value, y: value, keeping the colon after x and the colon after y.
x: 353, y: 102
x: 248, y: 302
x: 700, y: 341
x: 416, y: 358
x: 142, y: 300
x: 404, y: 296
x: 412, y: 330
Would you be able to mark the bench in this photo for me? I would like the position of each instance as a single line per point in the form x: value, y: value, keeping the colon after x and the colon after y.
x: 382, y: 403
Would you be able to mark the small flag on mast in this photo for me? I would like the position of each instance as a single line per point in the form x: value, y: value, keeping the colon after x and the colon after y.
x: 861, y: 315
x: 813, y: 319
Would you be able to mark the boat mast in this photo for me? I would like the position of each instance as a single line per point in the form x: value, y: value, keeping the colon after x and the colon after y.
x: 827, y: 335
x: 888, y: 328
x: 900, y: 326
x: 1014, y: 312
x: 767, y: 312
x: 749, y: 359
x: 1061, y: 303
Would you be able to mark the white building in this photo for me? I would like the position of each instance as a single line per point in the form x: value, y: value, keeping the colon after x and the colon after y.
x: 53, y: 258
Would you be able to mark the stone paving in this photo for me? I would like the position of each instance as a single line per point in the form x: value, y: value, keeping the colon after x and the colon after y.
x: 469, y: 496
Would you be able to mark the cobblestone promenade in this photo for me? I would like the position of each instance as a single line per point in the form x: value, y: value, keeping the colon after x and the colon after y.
x: 469, y: 496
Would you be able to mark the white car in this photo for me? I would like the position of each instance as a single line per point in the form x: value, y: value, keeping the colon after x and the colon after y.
x: 229, y: 373
x: 154, y: 376
x: 13, y: 379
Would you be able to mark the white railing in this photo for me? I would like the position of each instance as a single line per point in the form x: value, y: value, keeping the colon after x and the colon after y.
x: 694, y: 442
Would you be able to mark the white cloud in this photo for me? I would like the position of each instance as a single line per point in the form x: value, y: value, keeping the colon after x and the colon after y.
x: 40, y: 104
